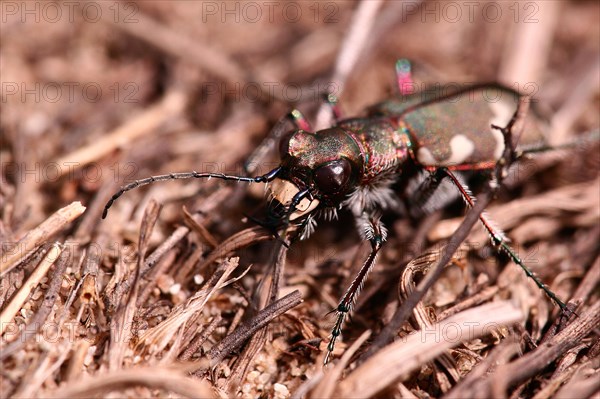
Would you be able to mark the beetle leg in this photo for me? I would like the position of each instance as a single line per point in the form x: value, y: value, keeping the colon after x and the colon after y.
x: 376, y: 233
x: 307, y: 227
x: 423, y: 202
x: 298, y: 121
x: 500, y: 241
x: 404, y: 78
x: 332, y: 100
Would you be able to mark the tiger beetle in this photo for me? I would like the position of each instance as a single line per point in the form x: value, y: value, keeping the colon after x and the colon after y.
x: 355, y: 163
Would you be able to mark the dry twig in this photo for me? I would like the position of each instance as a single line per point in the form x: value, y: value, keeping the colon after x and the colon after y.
x: 34, y: 279
x: 41, y: 234
x: 37, y: 322
x: 423, y: 346
x: 533, y: 362
x: 166, y: 379
x: 243, y: 332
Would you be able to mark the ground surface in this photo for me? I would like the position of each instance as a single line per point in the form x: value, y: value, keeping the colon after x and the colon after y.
x: 148, y: 303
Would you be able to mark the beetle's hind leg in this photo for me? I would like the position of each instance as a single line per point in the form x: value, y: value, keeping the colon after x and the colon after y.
x: 500, y: 241
x: 373, y: 230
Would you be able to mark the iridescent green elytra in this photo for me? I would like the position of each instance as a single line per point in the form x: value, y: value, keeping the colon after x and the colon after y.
x: 453, y: 128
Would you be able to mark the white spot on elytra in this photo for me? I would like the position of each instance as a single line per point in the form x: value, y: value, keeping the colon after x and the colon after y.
x: 425, y: 157
x: 461, y: 148
x: 499, y: 150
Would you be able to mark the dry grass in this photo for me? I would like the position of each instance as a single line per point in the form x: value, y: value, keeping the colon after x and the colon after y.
x: 189, y: 298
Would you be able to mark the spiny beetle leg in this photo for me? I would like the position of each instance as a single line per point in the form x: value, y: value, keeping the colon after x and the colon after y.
x: 297, y: 120
x: 376, y: 235
x: 500, y: 241
x: 424, y: 192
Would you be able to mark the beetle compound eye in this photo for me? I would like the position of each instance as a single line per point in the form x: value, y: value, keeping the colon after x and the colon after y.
x: 333, y: 178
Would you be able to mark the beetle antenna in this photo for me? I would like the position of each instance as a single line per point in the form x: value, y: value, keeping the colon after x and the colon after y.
x: 188, y: 175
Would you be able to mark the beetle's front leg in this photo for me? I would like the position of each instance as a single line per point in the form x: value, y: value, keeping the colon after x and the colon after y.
x: 332, y: 101
x: 373, y: 230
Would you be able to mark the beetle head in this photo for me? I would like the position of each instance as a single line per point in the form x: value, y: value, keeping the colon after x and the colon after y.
x: 325, y: 163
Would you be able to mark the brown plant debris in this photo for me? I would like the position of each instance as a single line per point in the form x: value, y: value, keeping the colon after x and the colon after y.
x: 182, y: 292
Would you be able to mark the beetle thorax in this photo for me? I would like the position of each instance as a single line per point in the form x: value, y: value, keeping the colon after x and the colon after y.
x: 310, y: 150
